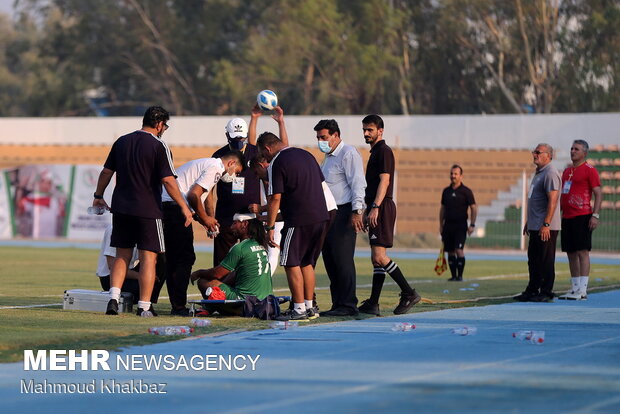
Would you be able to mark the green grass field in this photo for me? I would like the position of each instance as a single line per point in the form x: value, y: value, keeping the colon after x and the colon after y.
x: 38, y: 276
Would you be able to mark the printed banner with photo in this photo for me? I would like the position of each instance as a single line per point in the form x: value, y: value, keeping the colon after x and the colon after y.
x: 81, y: 225
x: 6, y: 225
x: 38, y: 196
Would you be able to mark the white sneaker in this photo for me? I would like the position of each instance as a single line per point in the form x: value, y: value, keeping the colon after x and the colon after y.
x: 571, y: 295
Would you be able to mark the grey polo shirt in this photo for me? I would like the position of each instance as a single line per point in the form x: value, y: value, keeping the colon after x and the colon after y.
x: 545, y: 180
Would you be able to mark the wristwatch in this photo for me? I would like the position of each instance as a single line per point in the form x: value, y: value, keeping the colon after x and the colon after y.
x: 596, y: 216
x: 472, y: 225
x: 270, y: 227
x: 374, y: 205
x: 98, y: 197
x: 358, y: 211
x: 546, y: 224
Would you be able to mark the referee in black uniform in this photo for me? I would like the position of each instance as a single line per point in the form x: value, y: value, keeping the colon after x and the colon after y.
x: 455, y: 200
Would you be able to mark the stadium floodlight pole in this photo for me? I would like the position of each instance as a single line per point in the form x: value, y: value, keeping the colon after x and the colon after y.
x: 523, y: 208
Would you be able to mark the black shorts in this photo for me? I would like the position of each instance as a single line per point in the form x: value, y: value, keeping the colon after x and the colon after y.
x: 576, y: 234
x: 383, y: 234
x: 301, y: 245
x: 130, y: 231
x: 454, y: 236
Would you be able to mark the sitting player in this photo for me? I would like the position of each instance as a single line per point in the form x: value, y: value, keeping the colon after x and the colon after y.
x: 106, y: 258
x: 247, y: 259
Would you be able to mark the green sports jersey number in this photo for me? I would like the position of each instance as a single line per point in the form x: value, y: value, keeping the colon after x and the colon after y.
x: 260, y: 256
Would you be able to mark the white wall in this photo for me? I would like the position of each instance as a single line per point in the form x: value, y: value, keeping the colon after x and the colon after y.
x: 441, y: 131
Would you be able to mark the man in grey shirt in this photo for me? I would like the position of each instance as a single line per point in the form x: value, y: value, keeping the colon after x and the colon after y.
x: 543, y: 225
x: 344, y: 173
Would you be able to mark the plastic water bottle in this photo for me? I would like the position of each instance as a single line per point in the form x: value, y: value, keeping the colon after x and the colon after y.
x: 474, y: 285
x: 535, y: 337
x: 465, y: 330
x: 282, y: 325
x: 200, y: 323
x: 466, y: 289
x: 171, y: 330
x: 403, y: 327
x: 214, y: 233
x: 446, y: 291
x: 92, y: 210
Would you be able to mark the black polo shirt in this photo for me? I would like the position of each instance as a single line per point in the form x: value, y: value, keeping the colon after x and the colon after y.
x: 455, y: 202
x: 140, y: 161
x: 381, y: 161
x: 295, y: 174
x: 229, y: 203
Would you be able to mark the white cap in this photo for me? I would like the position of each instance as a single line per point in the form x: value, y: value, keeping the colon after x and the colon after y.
x: 244, y: 216
x: 237, y: 128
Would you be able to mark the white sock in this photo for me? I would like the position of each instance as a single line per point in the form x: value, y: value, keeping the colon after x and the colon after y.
x: 115, y: 293
x: 574, y: 282
x: 299, y: 307
x: 144, y: 305
x: 583, y: 284
x: 308, y: 303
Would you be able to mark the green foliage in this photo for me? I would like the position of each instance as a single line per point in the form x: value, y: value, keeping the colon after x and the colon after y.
x: 71, y: 57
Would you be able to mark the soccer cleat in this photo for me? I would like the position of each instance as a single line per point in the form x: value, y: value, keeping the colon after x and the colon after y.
x: 292, y: 315
x: 312, y: 313
x: 369, y: 307
x: 407, y: 300
x: 112, y: 308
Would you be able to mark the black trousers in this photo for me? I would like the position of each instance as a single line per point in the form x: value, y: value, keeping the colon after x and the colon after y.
x: 541, y: 263
x: 338, y: 250
x: 180, y: 256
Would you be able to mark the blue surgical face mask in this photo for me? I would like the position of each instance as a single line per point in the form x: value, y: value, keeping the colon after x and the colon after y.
x: 324, y: 147
x: 236, y: 143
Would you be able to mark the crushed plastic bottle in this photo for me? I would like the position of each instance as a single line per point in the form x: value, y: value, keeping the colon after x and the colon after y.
x: 465, y: 330
x: 474, y: 285
x: 403, y: 327
x: 467, y: 288
x: 96, y: 211
x: 171, y: 330
x: 446, y: 291
x: 282, y: 325
x: 200, y: 323
x: 535, y: 337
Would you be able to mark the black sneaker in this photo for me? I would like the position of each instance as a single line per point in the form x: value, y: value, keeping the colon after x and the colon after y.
x: 542, y: 297
x: 312, y: 313
x: 180, y: 312
x: 112, y: 308
x: 524, y: 297
x: 369, y: 307
x: 340, y: 312
x: 453, y: 279
x: 146, y: 313
x: 407, y: 300
x: 292, y: 315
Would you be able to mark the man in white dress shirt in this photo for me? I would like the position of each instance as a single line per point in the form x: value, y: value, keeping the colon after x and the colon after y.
x: 344, y: 174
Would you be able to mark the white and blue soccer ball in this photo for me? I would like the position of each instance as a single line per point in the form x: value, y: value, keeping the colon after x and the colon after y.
x: 267, y: 100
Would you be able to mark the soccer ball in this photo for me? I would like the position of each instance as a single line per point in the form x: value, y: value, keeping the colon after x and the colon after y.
x: 267, y: 100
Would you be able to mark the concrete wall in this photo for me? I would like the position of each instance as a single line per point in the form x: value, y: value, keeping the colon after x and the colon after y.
x: 475, y: 131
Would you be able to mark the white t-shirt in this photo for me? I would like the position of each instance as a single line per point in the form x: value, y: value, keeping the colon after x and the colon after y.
x: 107, y: 250
x: 205, y: 172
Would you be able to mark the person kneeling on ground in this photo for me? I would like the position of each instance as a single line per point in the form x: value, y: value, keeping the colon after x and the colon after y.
x: 247, y: 259
x: 107, y: 254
